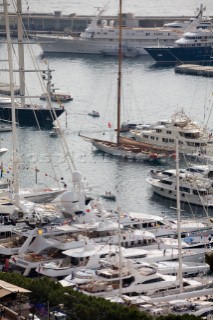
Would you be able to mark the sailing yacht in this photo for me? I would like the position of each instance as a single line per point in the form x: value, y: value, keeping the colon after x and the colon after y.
x: 119, y: 148
x: 27, y: 114
x: 14, y: 194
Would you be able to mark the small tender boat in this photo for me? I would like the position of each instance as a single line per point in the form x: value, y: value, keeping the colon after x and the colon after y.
x: 51, y: 92
x: 58, y: 96
x: 109, y: 196
x: 55, y: 132
x: 94, y: 113
x: 5, y: 127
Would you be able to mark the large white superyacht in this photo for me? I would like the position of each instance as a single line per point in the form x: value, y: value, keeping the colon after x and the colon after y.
x: 102, y: 36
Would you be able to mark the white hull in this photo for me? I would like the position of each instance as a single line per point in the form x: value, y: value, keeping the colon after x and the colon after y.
x: 92, y: 46
x: 2, y: 151
x: 172, y: 268
x: 40, y: 196
x: 124, y: 153
x: 57, y: 272
x: 171, y: 193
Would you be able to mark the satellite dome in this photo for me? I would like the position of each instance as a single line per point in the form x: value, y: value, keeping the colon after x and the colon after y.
x: 111, y: 23
x: 67, y: 199
x: 103, y: 23
x: 77, y: 176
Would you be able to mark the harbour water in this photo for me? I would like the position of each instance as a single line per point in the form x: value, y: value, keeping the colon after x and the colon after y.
x: 140, y: 8
x: 149, y: 93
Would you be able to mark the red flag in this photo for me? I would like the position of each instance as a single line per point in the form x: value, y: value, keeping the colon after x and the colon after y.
x: 109, y: 125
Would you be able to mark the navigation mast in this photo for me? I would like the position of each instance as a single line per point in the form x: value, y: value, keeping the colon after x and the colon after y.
x: 119, y: 72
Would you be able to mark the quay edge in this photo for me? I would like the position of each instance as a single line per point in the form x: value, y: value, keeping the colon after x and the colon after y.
x: 56, y: 22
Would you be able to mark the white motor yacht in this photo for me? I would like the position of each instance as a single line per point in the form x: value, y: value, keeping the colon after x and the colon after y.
x: 194, y: 46
x: 101, y: 37
x: 143, y: 281
x: 192, y: 190
x: 198, y: 171
x: 164, y: 133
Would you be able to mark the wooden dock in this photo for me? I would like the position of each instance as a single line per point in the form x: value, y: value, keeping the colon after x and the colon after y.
x: 195, y: 70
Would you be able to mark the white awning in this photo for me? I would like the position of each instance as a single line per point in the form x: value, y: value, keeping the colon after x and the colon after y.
x: 7, y: 288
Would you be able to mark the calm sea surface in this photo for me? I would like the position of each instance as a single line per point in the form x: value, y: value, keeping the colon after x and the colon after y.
x: 148, y: 94
x: 138, y: 7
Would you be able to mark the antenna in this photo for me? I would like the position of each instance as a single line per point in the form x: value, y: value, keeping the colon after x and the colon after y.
x: 102, y: 9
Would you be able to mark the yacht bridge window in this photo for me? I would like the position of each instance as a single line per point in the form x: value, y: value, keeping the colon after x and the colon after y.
x: 195, y: 170
x: 200, y: 192
x: 190, y: 135
x: 166, y: 182
x: 184, y: 189
x: 152, y: 281
x: 210, y: 175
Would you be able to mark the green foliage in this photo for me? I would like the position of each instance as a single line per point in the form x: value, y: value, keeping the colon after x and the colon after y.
x: 77, y: 305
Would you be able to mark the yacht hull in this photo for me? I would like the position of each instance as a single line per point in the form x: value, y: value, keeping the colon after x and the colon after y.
x: 185, y: 197
x: 78, y: 45
x: 40, y: 196
x: 125, y: 152
x: 178, y: 55
x: 31, y: 116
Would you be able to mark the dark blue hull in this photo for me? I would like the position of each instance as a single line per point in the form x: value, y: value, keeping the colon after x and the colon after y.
x: 173, y: 55
x: 31, y: 117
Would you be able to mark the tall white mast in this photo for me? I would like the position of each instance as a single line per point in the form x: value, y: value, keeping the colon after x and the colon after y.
x: 119, y: 72
x: 118, y: 134
x: 120, y: 252
x: 21, y: 53
x: 180, y: 271
x: 14, y: 134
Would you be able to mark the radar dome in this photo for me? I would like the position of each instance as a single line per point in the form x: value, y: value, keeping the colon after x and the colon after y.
x: 111, y: 23
x: 77, y: 176
x: 67, y: 199
x: 103, y: 23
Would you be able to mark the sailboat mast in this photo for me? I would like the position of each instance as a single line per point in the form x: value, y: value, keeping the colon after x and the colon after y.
x: 14, y: 140
x: 120, y: 252
x: 119, y: 72
x: 180, y: 271
x: 21, y: 53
